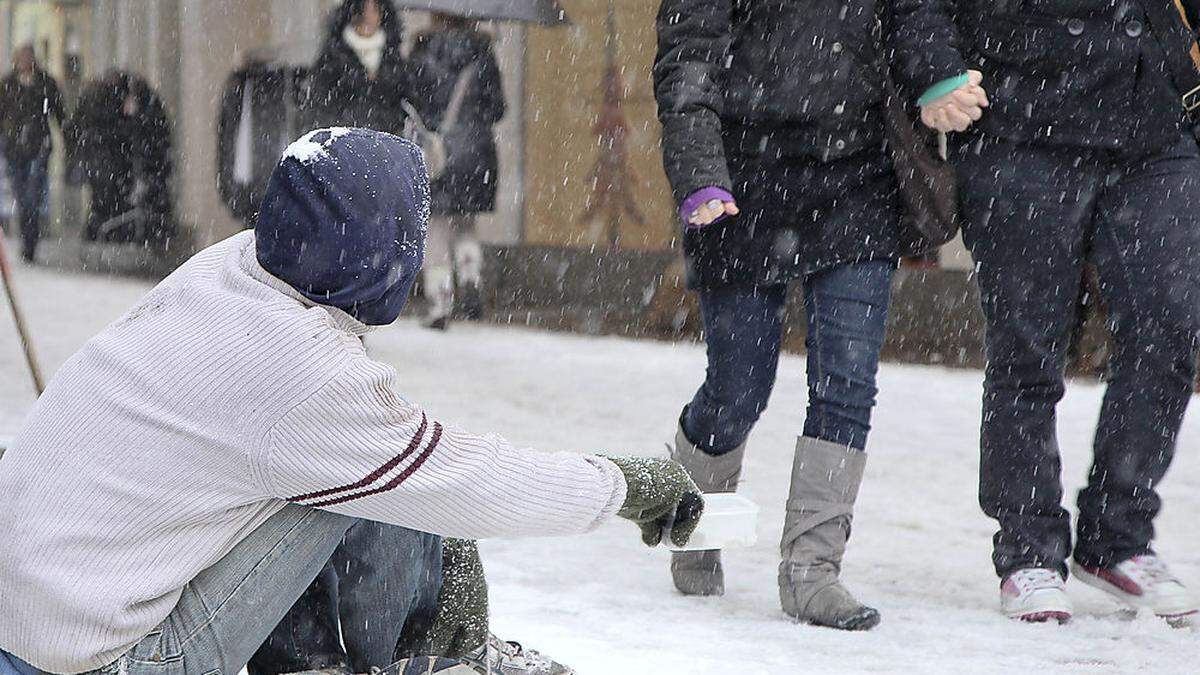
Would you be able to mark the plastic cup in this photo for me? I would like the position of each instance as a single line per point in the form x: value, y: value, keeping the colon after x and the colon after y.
x: 729, y: 521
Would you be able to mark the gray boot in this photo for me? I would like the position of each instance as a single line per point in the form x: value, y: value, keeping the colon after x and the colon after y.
x: 825, y: 479
x: 699, y: 572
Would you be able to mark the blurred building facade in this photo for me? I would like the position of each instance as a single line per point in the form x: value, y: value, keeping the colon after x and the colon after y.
x: 186, y: 49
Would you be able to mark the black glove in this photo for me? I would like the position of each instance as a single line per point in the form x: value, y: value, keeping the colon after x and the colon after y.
x: 660, y: 496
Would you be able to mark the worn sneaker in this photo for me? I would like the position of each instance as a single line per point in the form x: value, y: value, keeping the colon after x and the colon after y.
x: 1143, y: 582
x: 1036, y: 595
x: 330, y: 670
x: 426, y: 665
x: 497, y: 657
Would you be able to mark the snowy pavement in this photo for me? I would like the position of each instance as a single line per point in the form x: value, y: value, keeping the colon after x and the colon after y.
x: 604, y: 604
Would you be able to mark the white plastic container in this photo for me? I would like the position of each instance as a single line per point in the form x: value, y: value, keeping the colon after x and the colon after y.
x: 729, y: 521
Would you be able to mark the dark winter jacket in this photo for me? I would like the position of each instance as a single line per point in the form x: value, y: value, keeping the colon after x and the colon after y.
x: 25, y: 114
x: 780, y: 103
x: 108, y: 142
x: 344, y: 221
x: 115, y: 148
x: 272, y: 120
x: 468, y: 184
x: 811, y: 69
x: 342, y: 92
x: 1086, y: 73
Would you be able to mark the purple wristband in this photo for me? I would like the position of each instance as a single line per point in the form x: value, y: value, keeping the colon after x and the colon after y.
x: 699, y: 198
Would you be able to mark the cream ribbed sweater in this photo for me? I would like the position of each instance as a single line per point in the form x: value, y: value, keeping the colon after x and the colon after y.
x: 188, y: 422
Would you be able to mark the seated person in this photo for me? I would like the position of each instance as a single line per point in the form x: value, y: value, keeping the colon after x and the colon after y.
x: 193, y: 467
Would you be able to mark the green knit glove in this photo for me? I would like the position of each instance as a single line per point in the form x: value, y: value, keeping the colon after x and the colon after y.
x: 660, y: 496
x: 461, y: 624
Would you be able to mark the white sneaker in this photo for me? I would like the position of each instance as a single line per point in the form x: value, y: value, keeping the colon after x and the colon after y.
x: 1035, y: 594
x: 1143, y: 582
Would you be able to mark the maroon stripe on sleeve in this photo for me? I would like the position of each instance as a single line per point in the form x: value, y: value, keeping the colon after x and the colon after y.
x: 395, y: 482
x: 377, y: 473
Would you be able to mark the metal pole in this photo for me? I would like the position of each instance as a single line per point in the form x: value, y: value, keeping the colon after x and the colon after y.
x: 26, y: 342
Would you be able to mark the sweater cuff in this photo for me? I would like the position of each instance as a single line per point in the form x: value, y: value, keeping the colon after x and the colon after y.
x: 701, y: 197
x: 942, y: 88
x: 616, y: 498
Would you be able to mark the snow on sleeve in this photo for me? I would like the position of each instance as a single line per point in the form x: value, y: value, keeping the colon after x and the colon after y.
x: 358, y: 449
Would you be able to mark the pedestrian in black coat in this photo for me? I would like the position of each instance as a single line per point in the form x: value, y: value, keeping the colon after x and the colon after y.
x: 359, y: 77
x: 773, y: 142
x: 456, y: 87
x: 29, y: 100
x: 121, y: 137
x: 1086, y: 156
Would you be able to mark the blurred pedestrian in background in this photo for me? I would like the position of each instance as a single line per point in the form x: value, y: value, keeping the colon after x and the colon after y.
x: 256, y: 120
x: 456, y: 87
x: 29, y: 98
x: 122, y: 139
x: 359, y: 78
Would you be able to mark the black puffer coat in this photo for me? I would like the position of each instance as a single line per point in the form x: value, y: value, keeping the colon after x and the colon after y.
x: 118, y: 152
x: 436, y: 62
x: 272, y: 100
x: 342, y: 92
x: 25, y: 114
x: 779, y: 102
x: 1084, y: 73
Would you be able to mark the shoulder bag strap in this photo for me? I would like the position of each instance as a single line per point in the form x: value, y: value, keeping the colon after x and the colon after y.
x: 1170, y: 25
x: 450, y: 119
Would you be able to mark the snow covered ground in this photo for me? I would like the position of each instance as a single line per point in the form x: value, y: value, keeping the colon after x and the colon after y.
x: 604, y: 604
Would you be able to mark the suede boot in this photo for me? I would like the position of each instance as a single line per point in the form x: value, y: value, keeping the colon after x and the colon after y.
x: 820, y: 508
x: 700, y: 572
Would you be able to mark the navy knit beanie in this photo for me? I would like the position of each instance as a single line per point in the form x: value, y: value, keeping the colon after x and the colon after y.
x: 343, y: 221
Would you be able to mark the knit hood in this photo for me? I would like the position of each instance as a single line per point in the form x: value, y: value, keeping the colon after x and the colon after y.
x: 343, y: 221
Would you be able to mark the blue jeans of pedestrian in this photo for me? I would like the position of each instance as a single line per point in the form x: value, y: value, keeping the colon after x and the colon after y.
x: 1034, y: 215
x: 846, y: 307
x: 29, y: 179
x: 369, y: 585
x: 229, y: 609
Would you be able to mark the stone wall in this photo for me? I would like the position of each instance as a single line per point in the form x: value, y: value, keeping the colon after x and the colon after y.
x: 934, y: 318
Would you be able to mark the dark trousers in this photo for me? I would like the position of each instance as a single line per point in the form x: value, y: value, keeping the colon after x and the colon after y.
x: 846, y: 307
x: 30, y: 185
x: 1033, y: 217
x: 382, y: 583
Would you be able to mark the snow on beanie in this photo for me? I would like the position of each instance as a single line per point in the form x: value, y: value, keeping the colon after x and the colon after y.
x: 344, y: 218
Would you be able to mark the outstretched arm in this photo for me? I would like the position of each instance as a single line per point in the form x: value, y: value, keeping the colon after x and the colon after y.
x: 356, y: 448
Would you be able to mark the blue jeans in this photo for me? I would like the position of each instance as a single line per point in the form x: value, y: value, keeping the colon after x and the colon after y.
x: 1034, y: 215
x: 368, y: 584
x: 30, y: 185
x: 846, y: 307
x: 229, y: 609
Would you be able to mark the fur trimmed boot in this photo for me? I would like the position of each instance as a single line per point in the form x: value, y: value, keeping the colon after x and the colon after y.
x: 699, y: 572
x: 820, y: 508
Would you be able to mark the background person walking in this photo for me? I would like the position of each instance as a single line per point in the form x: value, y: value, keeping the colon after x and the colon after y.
x: 359, y: 78
x: 457, y: 89
x: 29, y: 99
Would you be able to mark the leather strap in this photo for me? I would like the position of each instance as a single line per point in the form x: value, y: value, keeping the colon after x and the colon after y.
x: 832, y: 511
